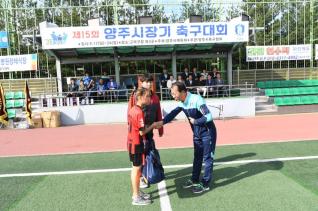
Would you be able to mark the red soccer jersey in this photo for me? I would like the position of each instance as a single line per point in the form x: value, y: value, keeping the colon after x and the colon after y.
x: 135, y: 124
x: 155, y: 109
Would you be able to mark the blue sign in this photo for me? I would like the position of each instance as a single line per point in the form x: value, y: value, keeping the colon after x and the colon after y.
x: 3, y: 39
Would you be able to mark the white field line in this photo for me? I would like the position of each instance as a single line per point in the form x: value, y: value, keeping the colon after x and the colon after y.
x: 164, y: 197
x: 166, y: 167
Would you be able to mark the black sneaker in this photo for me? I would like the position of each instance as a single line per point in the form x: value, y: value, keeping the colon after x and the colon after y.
x: 188, y: 184
x: 200, y: 188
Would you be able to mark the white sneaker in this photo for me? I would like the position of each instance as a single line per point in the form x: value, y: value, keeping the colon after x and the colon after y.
x: 144, y: 195
x: 143, y: 184
x: 140, y: 201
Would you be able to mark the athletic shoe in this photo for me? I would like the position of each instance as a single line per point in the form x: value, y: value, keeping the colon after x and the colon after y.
x: 188, y: 184
x: 200, y: 188
x: 143, y: 184
x: 140, y: 201
x: 144, y: 195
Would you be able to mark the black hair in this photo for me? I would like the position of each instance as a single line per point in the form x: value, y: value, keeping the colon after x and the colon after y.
x: 181, y: 86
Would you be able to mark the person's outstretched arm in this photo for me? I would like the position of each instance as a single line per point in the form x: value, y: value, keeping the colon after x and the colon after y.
x: 206, y: 114
x: 169, y: 117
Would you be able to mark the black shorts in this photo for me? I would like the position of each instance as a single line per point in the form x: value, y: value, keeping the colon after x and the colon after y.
x: 136, y: 159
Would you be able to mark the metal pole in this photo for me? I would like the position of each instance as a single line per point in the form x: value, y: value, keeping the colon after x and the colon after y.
x: 174, y: 64
x: 229, y: 67
x: 312, y: 35
x: 59, y: 75
x: 117, y: 68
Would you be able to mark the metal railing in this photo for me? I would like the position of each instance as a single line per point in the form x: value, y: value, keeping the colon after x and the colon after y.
x: 122, y: 95
x: 253, y: 76
x: 83, y: 97
x: 214, y: 91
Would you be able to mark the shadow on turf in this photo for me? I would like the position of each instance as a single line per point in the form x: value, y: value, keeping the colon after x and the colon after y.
x: 222, y: 176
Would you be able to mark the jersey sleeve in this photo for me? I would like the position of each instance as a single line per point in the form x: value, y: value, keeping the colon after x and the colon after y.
x: 204, y: 110
x: 169, y: 117
x: 131, y: 102
x: 140, y: 121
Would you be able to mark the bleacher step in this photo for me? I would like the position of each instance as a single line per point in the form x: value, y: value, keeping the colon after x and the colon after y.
x: 266, y: 109
x: 261, y: 99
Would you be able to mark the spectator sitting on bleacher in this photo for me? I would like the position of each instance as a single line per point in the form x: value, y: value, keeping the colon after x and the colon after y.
x: 101, y: 88
x: 105, y: 77
x: 214, y: 72
x: 91, y: 88
x: 219, y: 82
x: 82, y: 87
x: 180, y: 79
x: 170, y: 81
x: 202, y: 87
x: 195, y: 74
x: 112, y: 85
x: 185, y: 74
x: 204, y: 74
x: 190, y: 81
x: 87, y: 80
x: 81, y: 90
x: 73, y: 87
x: 210, y: 82
x: 164, y: 76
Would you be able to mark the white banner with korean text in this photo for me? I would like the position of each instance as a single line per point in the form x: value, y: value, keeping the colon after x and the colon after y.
x: 23, y: 62
x: 278, y: 53
x: 139, y: 35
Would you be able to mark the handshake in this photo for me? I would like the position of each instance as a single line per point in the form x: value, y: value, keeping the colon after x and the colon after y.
x: 157, y: 125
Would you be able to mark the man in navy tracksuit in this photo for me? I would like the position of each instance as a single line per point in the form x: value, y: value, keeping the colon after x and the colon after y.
x: 204, y: 134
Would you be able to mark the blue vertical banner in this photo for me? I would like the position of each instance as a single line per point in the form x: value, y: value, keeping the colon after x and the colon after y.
x: 4, y: 39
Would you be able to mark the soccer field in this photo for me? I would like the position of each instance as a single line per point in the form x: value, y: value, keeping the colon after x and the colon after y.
x: 272, y: 176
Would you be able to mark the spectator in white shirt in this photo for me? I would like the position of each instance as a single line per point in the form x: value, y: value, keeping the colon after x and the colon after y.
x: 170, y: 82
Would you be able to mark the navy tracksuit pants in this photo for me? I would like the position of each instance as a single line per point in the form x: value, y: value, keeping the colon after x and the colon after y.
x: 204, y: 148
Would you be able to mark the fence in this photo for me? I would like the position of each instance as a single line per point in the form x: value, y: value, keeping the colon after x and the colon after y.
x: 253, y: 76
x: 122, y: 95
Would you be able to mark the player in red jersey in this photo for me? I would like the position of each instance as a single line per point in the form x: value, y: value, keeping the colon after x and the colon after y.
x: 135, y: 143
x: 152, y: 113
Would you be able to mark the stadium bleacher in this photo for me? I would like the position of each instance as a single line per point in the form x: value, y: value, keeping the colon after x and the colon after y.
x: 291, y: 92
x: 15, y: 101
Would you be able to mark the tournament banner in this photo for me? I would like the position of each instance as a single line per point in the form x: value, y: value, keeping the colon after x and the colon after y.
x: 143, y: 34
x: 278, y: 53
x: 22, y: 62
